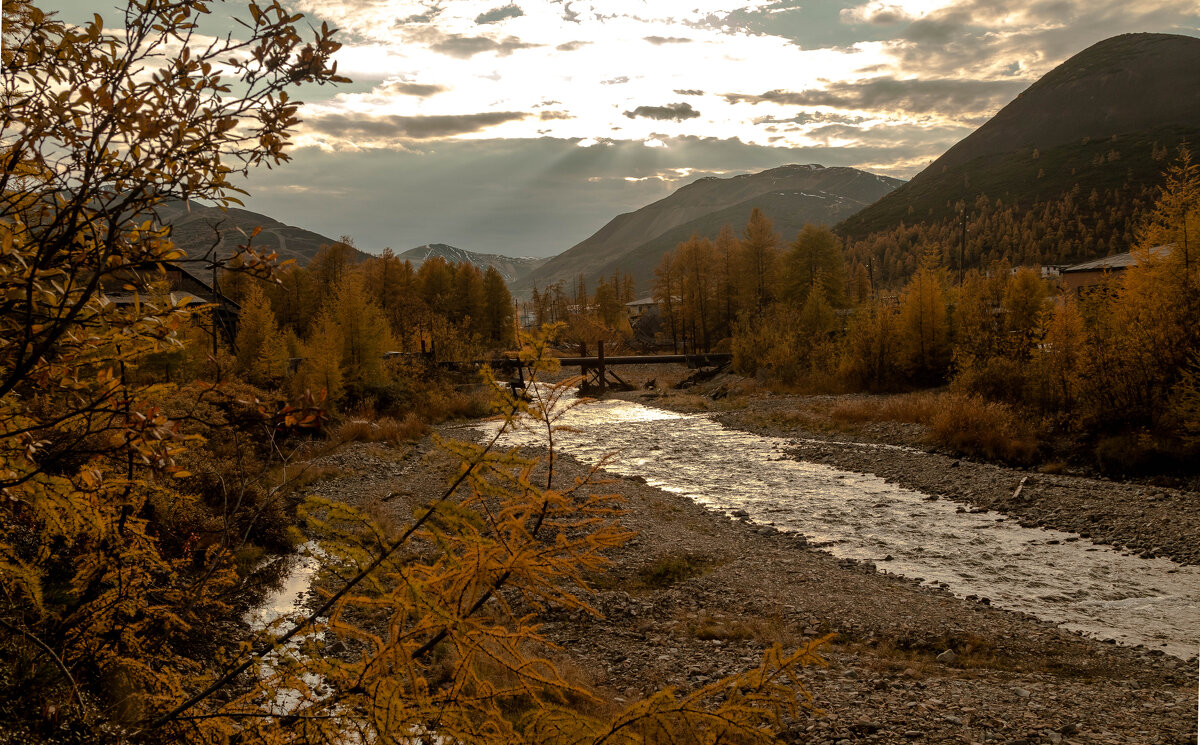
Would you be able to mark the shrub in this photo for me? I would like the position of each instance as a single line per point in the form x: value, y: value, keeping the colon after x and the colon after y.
x: 972, y: 426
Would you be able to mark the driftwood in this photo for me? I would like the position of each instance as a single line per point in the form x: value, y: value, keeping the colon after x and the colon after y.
x: 1020, y: 487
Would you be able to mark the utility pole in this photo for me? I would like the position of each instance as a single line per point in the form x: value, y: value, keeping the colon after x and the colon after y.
x: 962, y: 247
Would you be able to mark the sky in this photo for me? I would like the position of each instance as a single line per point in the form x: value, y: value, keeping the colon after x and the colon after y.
x: 522, y: 127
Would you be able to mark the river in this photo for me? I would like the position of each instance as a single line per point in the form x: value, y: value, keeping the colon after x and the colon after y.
x: 1049, y: 574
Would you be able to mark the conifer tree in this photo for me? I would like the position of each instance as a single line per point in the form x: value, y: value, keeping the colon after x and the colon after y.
x: 815, y: 257
x: 759, y: 257
x: 261, y: 348
x: 497, y: 308
x: 924, y: 320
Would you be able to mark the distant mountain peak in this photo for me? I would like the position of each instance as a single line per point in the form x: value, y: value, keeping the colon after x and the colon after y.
x: 511, y: 268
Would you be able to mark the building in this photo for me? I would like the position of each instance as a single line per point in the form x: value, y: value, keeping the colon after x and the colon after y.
x: 635, y: 309
x: 184, y: 283
x: 1098, y: 271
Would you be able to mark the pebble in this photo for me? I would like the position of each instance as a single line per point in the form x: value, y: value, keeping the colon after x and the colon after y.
x: 948, y: 657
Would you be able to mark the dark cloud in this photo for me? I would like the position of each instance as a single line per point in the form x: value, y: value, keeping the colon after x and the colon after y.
x: 426, y: 17
x: 410, y: 127
x: 571, y: 46
x: 463, y: 46
x: 672, y: 111
x: 660, y: 40
x: 887, y: 94
x: 616, y: 81
x: 499, y: 14
x: 551, y: 115
x: 420, y: 90
x: 975, y: 37
x: 688, y: 92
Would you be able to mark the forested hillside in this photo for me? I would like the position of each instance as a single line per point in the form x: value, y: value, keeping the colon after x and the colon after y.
x: 1057, y: 176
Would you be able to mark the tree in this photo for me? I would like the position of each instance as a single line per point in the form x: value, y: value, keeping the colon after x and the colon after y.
x: 759, y: 255
x: 96, y: 131
x: 814, y: 258
x: 261, y: 349
x: 726, y: 279
x: 924, y: 321
x: 666, y: 294
x: 696, y: 258
x: 497, y: 309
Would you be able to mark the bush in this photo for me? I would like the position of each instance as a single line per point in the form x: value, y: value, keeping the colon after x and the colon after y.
x: 969, y: 425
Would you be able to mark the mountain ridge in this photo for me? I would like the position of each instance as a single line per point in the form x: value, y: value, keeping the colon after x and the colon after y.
x: 635, y: 233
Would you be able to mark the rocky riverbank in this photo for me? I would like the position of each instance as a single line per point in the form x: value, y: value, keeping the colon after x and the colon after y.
x: 1142, y: 519
x: 698, y: 595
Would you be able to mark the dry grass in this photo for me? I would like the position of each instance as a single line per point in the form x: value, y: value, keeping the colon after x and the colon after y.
x: 300, y: 475
x: 907, y: 407
x: 674, y: 567
x: 965, y: 424
x: 726, y: 628
x: 387, y: 429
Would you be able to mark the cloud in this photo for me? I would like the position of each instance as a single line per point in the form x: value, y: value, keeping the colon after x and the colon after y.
x: 420, y: 90
x: 465, y: 47
x: 616, y: 81
x: 811, y: 117
x: 660, y: 40
x: 672, y: 111
x: 410, y: 127
x: 572, y: 46
x: 890, y: 94
x: 547, y: 116
x: 688, y: 92
x: 499, y: 14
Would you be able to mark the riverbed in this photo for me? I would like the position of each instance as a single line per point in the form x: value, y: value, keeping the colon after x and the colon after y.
x: 1052, y: 575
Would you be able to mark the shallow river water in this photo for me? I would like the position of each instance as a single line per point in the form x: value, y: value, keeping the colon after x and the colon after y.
x: 1049, y: 574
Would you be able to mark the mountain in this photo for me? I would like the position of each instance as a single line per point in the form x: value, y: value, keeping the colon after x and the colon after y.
x: 1105, y: 120
x: 510, y: 268
x: 634, y: 242
x: 195, y: 227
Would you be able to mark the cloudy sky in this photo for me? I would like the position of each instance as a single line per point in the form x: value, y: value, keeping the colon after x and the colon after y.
x: 521, y: 128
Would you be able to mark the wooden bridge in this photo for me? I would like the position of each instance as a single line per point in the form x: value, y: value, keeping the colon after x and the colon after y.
x: 597, y: 372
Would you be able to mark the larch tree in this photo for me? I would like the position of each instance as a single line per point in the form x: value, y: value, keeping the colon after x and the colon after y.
x: 101, y: 125
x: 497, y: 309
x: 814, y: 258
x: 759, y: 256
x: 261, y: 348
x: 667, y: 289
x: 925, y: 322
x: 726, y: 277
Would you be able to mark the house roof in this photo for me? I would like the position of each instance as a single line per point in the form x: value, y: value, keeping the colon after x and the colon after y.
x: 1117, y: 261
x: 648, y: 300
